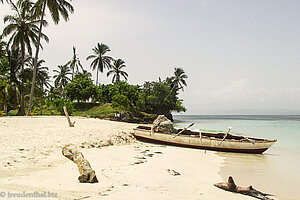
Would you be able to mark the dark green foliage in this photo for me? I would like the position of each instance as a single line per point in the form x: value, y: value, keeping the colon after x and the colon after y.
x: 59, y: 103
x: 153, y: 99
x: 122, y: 95
x: 81, y: 88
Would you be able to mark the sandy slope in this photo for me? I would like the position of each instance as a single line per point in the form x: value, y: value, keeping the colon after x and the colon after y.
x: 31, y: 161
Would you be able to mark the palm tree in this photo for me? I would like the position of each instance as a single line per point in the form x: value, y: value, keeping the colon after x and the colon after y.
x: 74, y: 63
x: 61, y: 78
x: 100, y: 61
x: 9, y: 74
x: 23, y: 30
x: 57, y: 9
x: 117, y: 71
x: 43, y: 78
x: 178, y: 80
x: 53, y: 93
x: 42, y: 81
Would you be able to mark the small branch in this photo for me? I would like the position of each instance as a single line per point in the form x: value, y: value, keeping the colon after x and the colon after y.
x: 68, y: 118
x: 87, y: 174
x: 250, y: 191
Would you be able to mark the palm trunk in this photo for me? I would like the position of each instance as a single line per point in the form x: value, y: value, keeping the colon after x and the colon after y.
x: 170, y: 92
x: 97, y: 78
x: 21, y: 111
x: 35, y: 61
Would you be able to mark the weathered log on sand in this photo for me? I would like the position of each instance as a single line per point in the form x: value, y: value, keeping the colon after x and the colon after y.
x: 87, y: 174
x: 68, y: 118
x: 250, y: 191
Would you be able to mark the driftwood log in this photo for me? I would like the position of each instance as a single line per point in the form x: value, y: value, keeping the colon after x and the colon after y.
x: 68, y: 118
x: 250, y: 191
x: 87, y: 174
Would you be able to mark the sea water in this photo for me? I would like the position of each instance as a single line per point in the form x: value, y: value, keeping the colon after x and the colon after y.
x: 276, y: 171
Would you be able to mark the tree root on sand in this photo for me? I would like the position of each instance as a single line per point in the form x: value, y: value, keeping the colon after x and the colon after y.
x: 87, y: 174
x: 250, y: 191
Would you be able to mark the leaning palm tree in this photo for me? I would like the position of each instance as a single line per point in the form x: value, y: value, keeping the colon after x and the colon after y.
x: 178, y: 80
x: 117, y: 71
x: 57, y: 9
x: 100, y: 60
x: 61, y: 78
x: 24, y: 31
x: 74, y: 63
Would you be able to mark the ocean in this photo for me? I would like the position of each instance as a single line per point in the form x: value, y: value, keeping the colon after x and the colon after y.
x: 276, y: 170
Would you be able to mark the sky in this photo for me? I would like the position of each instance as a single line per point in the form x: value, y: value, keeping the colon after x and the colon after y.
x: 241, y: 56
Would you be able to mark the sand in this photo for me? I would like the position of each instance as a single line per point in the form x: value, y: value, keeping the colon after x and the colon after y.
x: 31, y: 162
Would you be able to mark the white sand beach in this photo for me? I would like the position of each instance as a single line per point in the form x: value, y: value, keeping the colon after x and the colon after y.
x: 31, y: 161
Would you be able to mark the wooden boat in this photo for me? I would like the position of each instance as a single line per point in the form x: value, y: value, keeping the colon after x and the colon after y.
x: 205, y: 139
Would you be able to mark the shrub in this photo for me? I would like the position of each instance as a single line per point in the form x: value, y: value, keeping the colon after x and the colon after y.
x: 60, y: 103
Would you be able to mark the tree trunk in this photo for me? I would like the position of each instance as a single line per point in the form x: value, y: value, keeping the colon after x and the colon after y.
x: 68, y: 118
x: 21, y: 111
x: 35, y: 60
x: 97, y: 77
x: 87, y: 174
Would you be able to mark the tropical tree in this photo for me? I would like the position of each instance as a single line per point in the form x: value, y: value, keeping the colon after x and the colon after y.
x: 57, y: 9
x: 24, y: 31
x: 61, y: 78
x: 152, y: 99
x: 81, y: 88
x: 53, y: 93
x: 100, y: 60
x: 74, y: 63
x: 178, y: 80
x: 42, y: 74
x: 10, y: 66
x: 117, y: 71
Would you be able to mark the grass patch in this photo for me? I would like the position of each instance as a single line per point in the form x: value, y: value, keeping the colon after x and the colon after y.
x: 100, y: 111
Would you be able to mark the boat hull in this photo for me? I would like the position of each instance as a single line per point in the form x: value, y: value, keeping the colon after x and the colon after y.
x: 215, y: 144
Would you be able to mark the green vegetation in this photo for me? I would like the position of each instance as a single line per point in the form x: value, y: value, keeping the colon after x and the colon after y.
x: 99, y: 111
x: 25, y: 80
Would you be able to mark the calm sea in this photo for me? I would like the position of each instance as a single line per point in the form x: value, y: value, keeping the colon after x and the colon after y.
x: 277, y: 170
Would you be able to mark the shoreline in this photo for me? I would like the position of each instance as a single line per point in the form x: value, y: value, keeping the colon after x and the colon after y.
x: 125, y: 168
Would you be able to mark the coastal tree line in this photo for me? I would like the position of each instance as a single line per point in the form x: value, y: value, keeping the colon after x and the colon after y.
x: 25, y: 81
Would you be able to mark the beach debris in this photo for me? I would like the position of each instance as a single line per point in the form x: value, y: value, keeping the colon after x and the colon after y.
x: 140, y: 157
x: 162, y: 124
x: 87, y: 174
x: 121, y: 138
x: 125, y: 184
x: 173, y: 172
x: 145, y: 151
x: 250, y: 191
x: 149, y: 154
x: 68, y: 118
x: 158, y: 152
x: 139, y: 162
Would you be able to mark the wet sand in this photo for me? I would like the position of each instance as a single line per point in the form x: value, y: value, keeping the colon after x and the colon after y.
x: 272, y: 173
